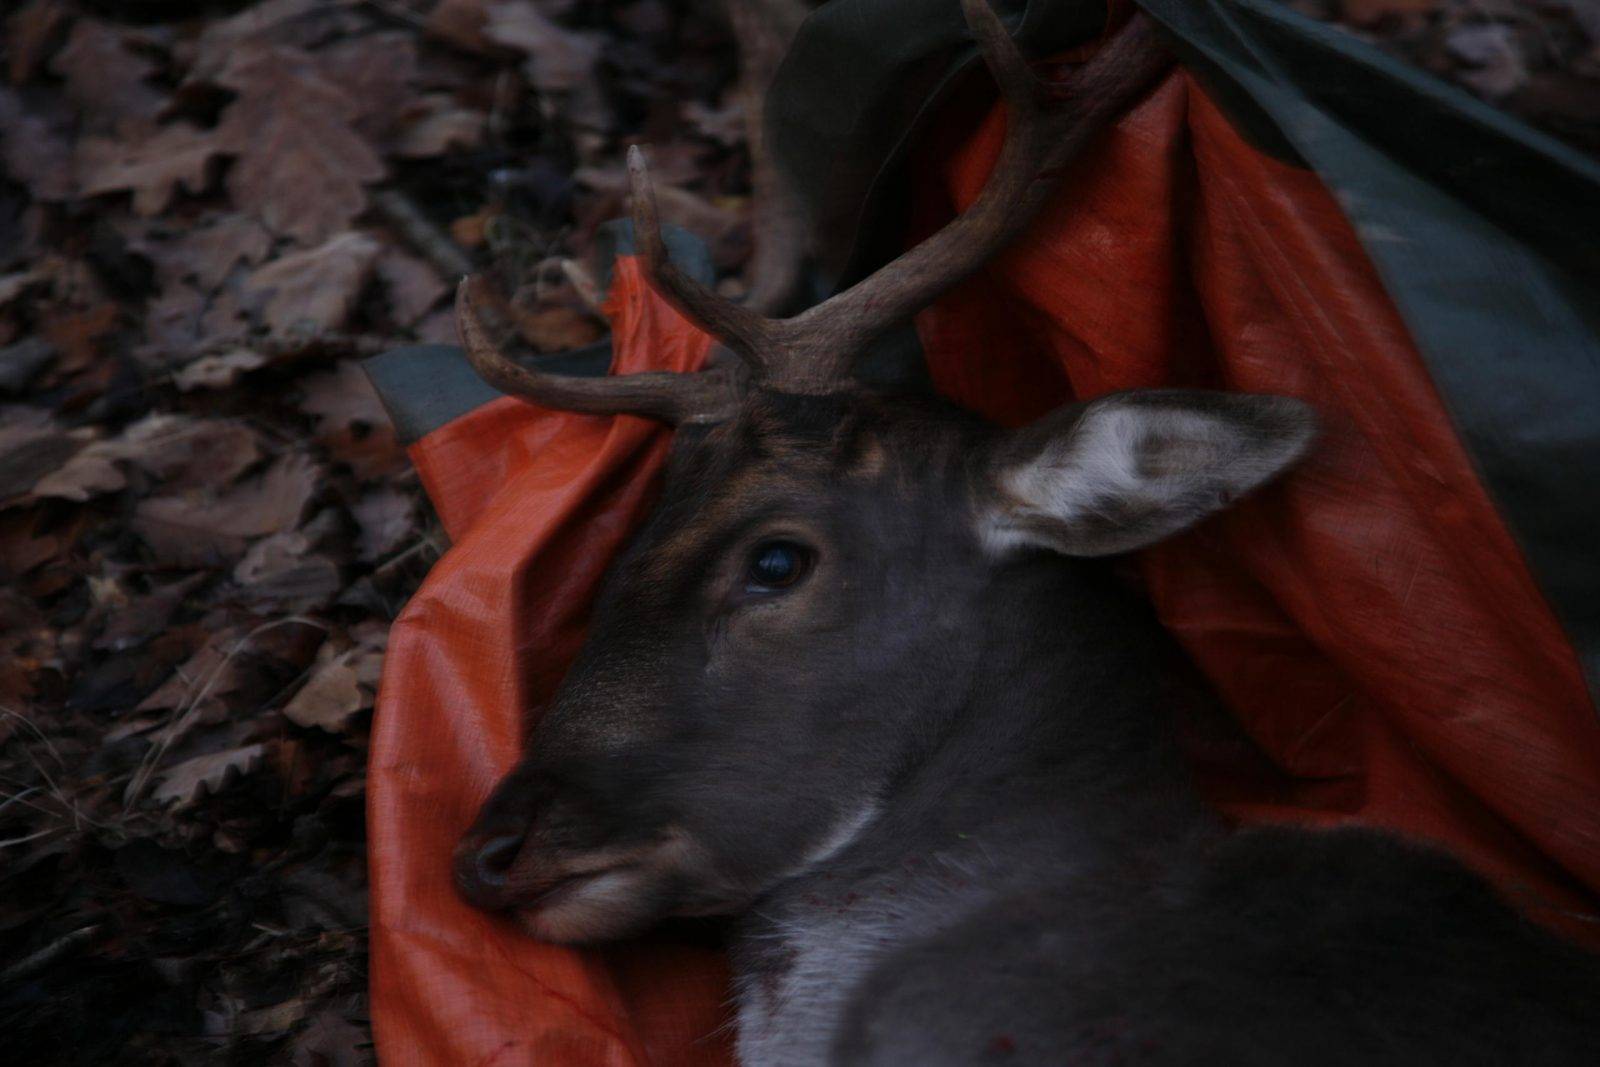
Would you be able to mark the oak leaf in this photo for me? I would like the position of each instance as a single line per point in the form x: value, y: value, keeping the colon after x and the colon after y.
x: 186, y: 782
x: 302, y: 168
x: 107, y: 81
x: 314, y: 290
x: 199, y: 528
x: 153, y: 166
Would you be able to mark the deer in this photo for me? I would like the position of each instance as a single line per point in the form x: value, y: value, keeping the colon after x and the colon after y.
x: 866, y: 682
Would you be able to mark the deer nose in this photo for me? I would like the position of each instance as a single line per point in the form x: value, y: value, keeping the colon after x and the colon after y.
x: 483, y: 868
x: 495, y: 857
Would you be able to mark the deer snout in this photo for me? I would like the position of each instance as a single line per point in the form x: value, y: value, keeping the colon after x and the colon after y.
x: 483, y: 868
x: 483, y: 865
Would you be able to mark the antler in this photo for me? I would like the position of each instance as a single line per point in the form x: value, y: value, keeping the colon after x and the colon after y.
x: 673, y: 398
x: 1048, y: 124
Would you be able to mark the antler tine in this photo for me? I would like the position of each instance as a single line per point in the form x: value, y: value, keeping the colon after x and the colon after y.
x: 672, y: 398
x: 1042, y: 136
x: 1018, y: 84
x: 748, y: 334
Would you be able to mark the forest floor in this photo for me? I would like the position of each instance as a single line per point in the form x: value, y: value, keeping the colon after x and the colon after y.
x: 208, y: 214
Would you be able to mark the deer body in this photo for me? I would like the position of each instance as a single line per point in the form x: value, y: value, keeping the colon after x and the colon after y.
x: 860, y: 683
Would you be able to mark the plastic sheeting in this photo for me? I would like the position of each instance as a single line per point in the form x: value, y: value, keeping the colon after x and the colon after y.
x: 1370, y: 621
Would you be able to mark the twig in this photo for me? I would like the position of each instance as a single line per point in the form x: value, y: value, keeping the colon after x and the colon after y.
x: 29, y: 966
x: 420, y: 232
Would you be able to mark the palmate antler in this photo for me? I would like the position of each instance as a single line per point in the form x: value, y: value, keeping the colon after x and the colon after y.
x: 1048, y: 124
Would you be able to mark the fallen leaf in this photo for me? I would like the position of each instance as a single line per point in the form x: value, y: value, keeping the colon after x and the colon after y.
x: 31, y: 447
x: 77, y: 334
x: 145, y: 615
x: 196, y: 529
x: 217, y: 371
x: 153, y: 166
x: 461, y: 22
x: 192, y: 779
x: 314, y: 290
x: 282, y: 572
x: 35, y: 147
x: 440, y: 128
x: 21, y: 362
x: 298, y: 23
x: 14, y: 285
x: 29, y: 538
x: 414, y: 287
x: 387, y: 518
x: 329, y: 1041
x: 331, y: 698
x: 201, y: 681
x: 561, y: 62
x: 210, y: 253
x: 302, y: 168
x: 108, y: 82
x: 376, y: 71
x: 28, y: 35
x: 90, y: 472
x: 351, y: 420
x: 183, y: 452
x: 1492, y: 53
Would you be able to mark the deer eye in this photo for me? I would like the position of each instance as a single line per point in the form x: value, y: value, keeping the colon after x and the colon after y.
x: 776, y: 565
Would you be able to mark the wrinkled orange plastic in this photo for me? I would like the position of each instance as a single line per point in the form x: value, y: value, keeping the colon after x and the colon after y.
x: 1370, y: 622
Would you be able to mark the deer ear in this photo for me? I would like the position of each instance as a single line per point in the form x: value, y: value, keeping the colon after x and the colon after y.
x: 1129, y: 469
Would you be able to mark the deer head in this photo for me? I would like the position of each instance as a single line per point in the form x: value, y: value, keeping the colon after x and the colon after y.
x: 826, y: 567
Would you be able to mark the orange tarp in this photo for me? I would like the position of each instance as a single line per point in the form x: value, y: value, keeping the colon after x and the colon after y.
x: 1370, y: 621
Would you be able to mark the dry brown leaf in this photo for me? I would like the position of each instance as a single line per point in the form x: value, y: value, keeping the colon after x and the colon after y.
x: 561, y: 62
x: 387, y: 518
x: 351, y: 420
x: 76, y: 334
x: 414, y: 287
x: 153, y: 166
x: 14, y: 285
x: 314, y: 290
x: 28, y: 34
x: 209, y: 254
x: 90, y: 472
x: 301, y: 168
x: 282, y: 572
x: 21, y: 363
x: 376, y: 71
x: 461, y: 22
x: 35, y: 148
x: 331, y: 698
x: 31, y: 447
x: 192, y: 779
x: 300, y: 23
x: 217, y: 371
x: 330, y: 1041
x: 202, y: 528
x: 30, y: 538
x: 440, y: 127
x: 107, y: 81
x: 145, y: 615
x: 201, y: 681
x: 184, y: 452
